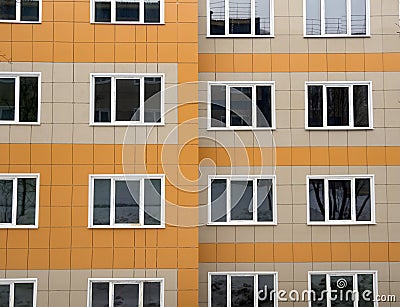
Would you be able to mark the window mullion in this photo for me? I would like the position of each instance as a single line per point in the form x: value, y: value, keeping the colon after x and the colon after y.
x: 112, y: 202
x: 255, y: 200
x: 351, y: 106
x: 253, y: 17
x: 12, y: 293
x: 254, y: 105
x: 326, y: 198
x: 17, y: 99
x: 228, y: 289
x: 113, y: 98
x: 111, y: 294
x: 113, y: 11
x: 228, y: 200
x: 17, y: 10
x: 141, y: 202
x: 141, y: 293
x: 227, y: 106
x: 226, y: 17
x: 141, y: 11
x: 355, y: 289
x: 256, y: 289
x: 323, y: 17
x: 353, y: 199
x: 14, y: 202
x: 141, y: 102
x: 348, y: 3
x: 328, y: 288
x: 324, y: 106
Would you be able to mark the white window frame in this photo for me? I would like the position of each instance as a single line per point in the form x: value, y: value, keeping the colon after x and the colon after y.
x: 114, y: 10
x: 353, y: 220
x: 114, y: 77
x: 229, y: 179
x: 16, y: 76
x: 123, y: 177
x: 343, y: 273
x: 252, y: 84
x: 349, y: 85
x: 13, y: 281
x: 348, y: 12
x: 14, y: 178
x: 18, y: 14
x: 253, y: 23
x: 228, y: 287
x: 113, y: 281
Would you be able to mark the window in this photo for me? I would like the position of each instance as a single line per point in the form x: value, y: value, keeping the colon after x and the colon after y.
x: 126, y: 201
x: 341, y: 199
x: 128, y: 11
x: 242, y: 289
x: 240, y: 18
x: 115, y: 292
x: 127, y: 99
x: 339, y: 105
x: 241, y: 106
x: 19, y: 98
x: 24, y: 11
x: 343, y: 289
x: 19, y: 200
x: 18, y: 292
x: 241, y: 200
x: 336, y: 18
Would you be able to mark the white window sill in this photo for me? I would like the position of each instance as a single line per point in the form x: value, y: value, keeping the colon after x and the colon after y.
x: 129, y: 23
x: 240, y: 129
x: 16, y: 21
x: 8, y: 226
x: 341, y: 223
x: 337, y: 36
x: 332, y: 128
x: 125, y: 124
x: 18, y: 123
x: 246, y: 223
x: 240, y: 36
x: 127, y: 226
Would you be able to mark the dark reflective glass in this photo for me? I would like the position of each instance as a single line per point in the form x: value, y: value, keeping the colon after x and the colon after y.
x: 318, y: 286
x: 101, y: 202
x: 264, y: 109
x: 360, y: 105
x: 316, y: 200
x: 7, y: 98
x: 242, y: 291
x: 102, y: 12
x: 6, y: 197
x: 366, y: 290
x: 29, y: 10
x: 241, y: 200
x: 152, y: 100
x: 152, y: 201
x: 338, y: 106
x: 335, y: 17
x: 4, y: 295
x: 151, y: 294
x: 239, y: 16
x: 266, y: 286
x: 100, y: 294
x: 339, y: 200
x: 263, y: 17
x: 8, y: 10
x: 313, y: 17
x: 128, y: 100
x: 315, y: 106
x: 23, y: 294
x: 126, y: 295
x: 363, y: 199
x: 28, y: 99
x: 344, y: 285
x: 151, y: 11
x: 219, y: 293
x: 26, y: 201
x: 241, y: 106
x: 127, y: 196
x: 217, y: 17
x: 127, y: 11
x: 265, y: 202
x: 218, y: 200
x: 102, y: 99
x: 218, y: 106
x: 358, y: 17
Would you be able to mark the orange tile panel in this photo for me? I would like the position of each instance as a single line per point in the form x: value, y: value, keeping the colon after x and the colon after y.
x: 60, y: 259
x: 336, y: 62
x: 280, y: 62
x: 103, y: 257
x: 188, y: 258
x: 187, y: 279
x: 124, y: 258
x: 188, y: 298
x: 242, y: 62
x: 261, y: 62
x: 38, y: 259
x: 355, y: 62
x: 283, y: 252
x: 81, y: 258
x: 167, y: 258
x: 298, y: 62
x: 17, y: 259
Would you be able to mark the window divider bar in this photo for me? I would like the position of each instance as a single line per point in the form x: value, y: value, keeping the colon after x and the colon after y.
x: 113, y: 11
x: 324, y: 106
x: 228, y: 200
x: 255, y: 200
x: 323, y: 31
x: 141, y: 202
x: 255, y: 289
x: 252, y: 17
x: 141, y: 293
x: 142, y: 98
x: 328, y: 289
x: 12, y: 293
x: 112, y: 202
x: 17, y: 99
x: 18, y: 10
x: 228, y: 106
x: 353, y: 200
x: 226, y: 17
x: 355, y: 288
x: 351, y: 106
x: 326, y: 199
x: 254, y: 104
x: 113, y: 99
x: 141, y: 11
x: 14, y: 202
x: 348, y: 8
x: 228, y: 289
x: 111, y: 294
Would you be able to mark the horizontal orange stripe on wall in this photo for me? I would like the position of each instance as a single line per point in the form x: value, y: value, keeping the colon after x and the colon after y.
x: 299, y: 252
x: 299, y: 62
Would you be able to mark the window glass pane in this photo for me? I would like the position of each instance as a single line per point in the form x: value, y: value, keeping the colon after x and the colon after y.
x: 6, y: 196
x: 127, y: 195
x: 8, y: 10
x: 152, y: 100
x: 4, y: 295
x: 151, y: 294
x: 358, y: 17
x: 219, y: 291
x: 23, y: 294
x: 315, y: 106
x: 151, y: 11
x: 265, y: 200
x: 239, y: 16
x: 363, y: 199
x: 128, y: 100
x: 218, y: 106
x: 29, y: 10
x: 218, y: 200
x: 318, y: 285
x: 342, y: 284
x: 338, y: 106
x: 266, y: 285
x: 242, y: 291
x: 335, y: 17
x: 366, y: 290
x: 264, y: 109
x: 241, y: 200
x: 7, y: 98
x: 360, y: 103
x: 152, y: 201
x: 28, y: 105
x: 126, y: 295
x: 313, y: 19
x: 101, y: 202
x: 26, y: 205
x: 317, y: 200
x: 339, y: 200
x: 100, y: 294
x: 263, y: 19
x: 127, y: 10
x: 102, y: 12
x: 102, y: 98
x: 241, y: 106
x: 217, y: 17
